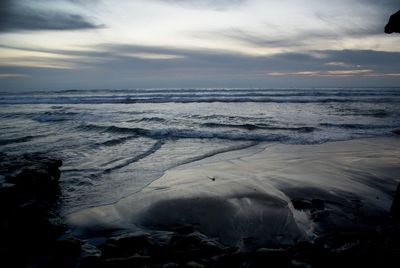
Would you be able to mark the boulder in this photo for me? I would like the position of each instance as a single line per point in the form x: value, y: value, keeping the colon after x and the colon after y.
x: 393, y: 26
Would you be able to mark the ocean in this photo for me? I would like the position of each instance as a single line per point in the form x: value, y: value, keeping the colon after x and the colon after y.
x: 115, y: 142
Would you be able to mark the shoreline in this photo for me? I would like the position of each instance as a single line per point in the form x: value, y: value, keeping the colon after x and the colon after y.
x: 245, y: 200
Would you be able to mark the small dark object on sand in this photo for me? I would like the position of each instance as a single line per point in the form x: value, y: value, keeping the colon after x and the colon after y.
x: 393, y: 26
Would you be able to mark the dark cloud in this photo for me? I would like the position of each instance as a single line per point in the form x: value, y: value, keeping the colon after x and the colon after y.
x: 15, y: 16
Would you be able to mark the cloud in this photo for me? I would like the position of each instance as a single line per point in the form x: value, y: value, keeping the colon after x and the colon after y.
x: 129, y: 66
x: 10, y: 75
x: 366, y: 72
x: 16, y: 16
x: 154, y: 58
x: 219, y: 5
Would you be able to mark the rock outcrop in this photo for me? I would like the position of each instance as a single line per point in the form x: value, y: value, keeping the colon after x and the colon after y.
x: 28, y: 192
x: 393, y: 26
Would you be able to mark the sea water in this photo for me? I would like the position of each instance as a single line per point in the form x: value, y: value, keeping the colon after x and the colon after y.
x: 115, y: 142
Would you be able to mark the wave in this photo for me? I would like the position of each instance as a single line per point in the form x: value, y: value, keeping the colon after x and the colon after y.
x: 155, y: 147
x: 378, y: 113
x: 344, y: 91
x: 355, y: 126
x: 210, y: 98
x: 17, y: 140
x: 148, y: 119
x: 185, y: 133
x: 228, y: 117
x: 114, y: 142
x: 258, y: 126
x: 216, y: 152
x: 56, y: 116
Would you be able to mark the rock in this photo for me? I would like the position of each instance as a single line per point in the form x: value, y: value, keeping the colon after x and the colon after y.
x: 319, y: 215
x: 209, y: 248
x: 318, y: 203
x: 186, y: 229
x: 274, y: 257
x: 90, y: 262
x: 395, y: 208
x: 170, y: 265
x: 238, y: 259
x: 182, y: 242
x: 132, y: 261
x: 69, y: 246
x: 125, y: 246
x: 396, y: 131
x: 194, y: 264
x: 307, y: 254
x: 302, y: 204
x: 28, y: 192
x: 273, y: 253
x: 393, y: 26
x: 89, y: 250
x: 34, y: 208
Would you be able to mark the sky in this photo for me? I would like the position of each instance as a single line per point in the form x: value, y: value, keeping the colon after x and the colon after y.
x: 100, y: 44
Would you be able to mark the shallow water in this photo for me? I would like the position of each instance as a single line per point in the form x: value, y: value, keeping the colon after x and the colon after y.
x: 114, y: 143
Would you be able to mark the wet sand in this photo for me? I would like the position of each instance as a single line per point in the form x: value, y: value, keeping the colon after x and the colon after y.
x: 272, y: 197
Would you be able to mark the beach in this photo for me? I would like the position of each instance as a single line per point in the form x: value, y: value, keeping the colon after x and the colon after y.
x: 199, y: 134
x: 202, y: 177
x: 271, y: 197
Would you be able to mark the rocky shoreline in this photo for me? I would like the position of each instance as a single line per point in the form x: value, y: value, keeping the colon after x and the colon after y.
x: 33, y: 235
x: 28, y: 193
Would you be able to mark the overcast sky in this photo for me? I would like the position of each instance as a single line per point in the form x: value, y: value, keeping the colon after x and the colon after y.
x: 86, y: 44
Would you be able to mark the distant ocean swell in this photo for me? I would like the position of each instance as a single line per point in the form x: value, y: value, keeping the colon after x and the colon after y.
x: 179, y: 99
x: 386, y: 95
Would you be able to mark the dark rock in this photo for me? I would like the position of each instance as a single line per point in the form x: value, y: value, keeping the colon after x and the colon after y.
x: 302, y: 204
x: 28, y: 192
x: 272, y: 257
x: 125, y: 246
x: 88, y: 250
x: 90, y: 262
x: 34, y: 208
x: 318, y: 203
x: 194, y: 264
x: 393, y: 26
x: 132, y: 261
x: 182, y: 242
x: 69, y: 246
x: 395, y: 208
x: 319, y: 215
x: 187, y: 229
x: 170, y: 265
x: 210, y: 248
x: 238, y: 259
